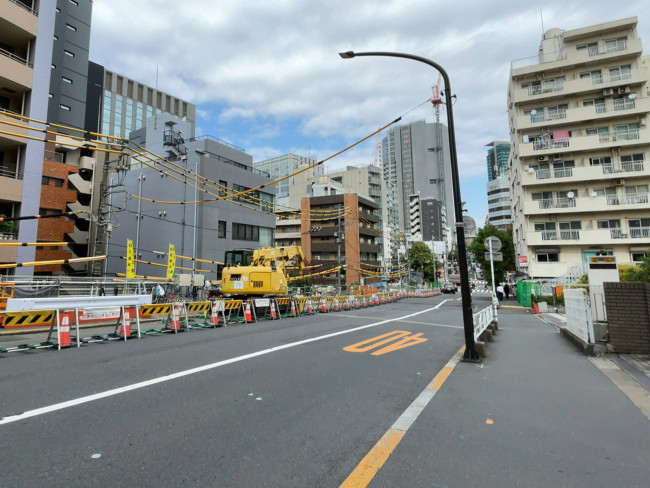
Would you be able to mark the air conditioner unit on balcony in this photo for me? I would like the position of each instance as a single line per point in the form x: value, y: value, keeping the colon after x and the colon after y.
x: 619, y: 182
x: 557, y: 157
x: 623, y: 89
x: 542, y: 158
x: 608, y: 91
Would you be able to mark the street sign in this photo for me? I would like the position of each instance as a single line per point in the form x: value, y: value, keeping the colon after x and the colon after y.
x: 496, y: 256
x: 496, y: 243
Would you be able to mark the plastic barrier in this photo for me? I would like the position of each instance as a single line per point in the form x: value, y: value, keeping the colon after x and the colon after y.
x: 34, y: 318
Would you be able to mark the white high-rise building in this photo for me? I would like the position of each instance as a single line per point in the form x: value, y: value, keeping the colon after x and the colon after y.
x: 579, y: 166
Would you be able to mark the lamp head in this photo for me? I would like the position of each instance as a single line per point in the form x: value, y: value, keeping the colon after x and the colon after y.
x: 347, y: 54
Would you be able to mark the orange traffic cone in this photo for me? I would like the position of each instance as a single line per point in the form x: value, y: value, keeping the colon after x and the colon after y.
x: 335, y: 304
x: 535, y: 308
x: 376, y: 300
x: 248, y: 315
x: 383, y: 300
x: 214, y: 315
x: 274, y: 315
x: 309, y: 307
x: 293, y: 311
x: 176, y: 320
x: 125, y: 327
x: 346, y: 303
x: 364, y: 303
x: 323, y: 305
x: 64, y: 329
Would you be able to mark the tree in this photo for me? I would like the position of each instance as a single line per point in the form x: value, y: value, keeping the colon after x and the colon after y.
x: 507, y: 249
x: 8, y: 227
x: 642, y: 272
x: 423, y: 260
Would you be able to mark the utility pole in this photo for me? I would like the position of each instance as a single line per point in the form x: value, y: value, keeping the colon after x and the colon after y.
x: 338, y: 248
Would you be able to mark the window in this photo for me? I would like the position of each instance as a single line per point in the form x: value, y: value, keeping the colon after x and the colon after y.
x: 600, y: 161
x: 591, y: 47
x: 618, y: 44
x: 65, y: 107
x: 547, y: 229
x: 223, y: 185
x: 620, y: 73
x: 221, y: 234
x: 68, y: 53
x: 596, y: 76
x: 548, y: 256
x: 45, y: 180
x: 74, y: 2
x: 66, y: 80
x: 245, y: 232
x: 608, y: 224
x: 627, y: 131
x: 58, y: 182
x: 637, y: 256
x: 570, y: 230
x: 563, y: 169
x: 71, y: 27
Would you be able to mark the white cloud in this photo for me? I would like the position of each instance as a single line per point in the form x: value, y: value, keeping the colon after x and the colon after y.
x: 267, y: 74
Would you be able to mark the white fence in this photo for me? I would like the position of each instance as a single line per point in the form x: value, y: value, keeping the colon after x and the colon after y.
x: 481, y: 321
x: 578, y: 314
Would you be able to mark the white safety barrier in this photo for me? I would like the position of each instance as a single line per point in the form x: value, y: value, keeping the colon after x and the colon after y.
x: 482, y: 320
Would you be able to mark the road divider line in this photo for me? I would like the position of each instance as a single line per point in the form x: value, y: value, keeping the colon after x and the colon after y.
x: 432, y: 325
x: 162, y: 379
x: 379, y: 454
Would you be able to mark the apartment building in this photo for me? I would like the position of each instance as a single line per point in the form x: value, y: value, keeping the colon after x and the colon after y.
x: 342, y: 228
x: 26, y: 49
x: 579, y: 166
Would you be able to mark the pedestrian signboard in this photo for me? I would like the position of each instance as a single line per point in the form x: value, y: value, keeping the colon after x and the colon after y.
x: 496, y: 256
x: 496, y: 243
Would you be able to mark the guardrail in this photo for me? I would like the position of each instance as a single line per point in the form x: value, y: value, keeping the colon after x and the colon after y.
x: 63, y: 316
x: 482, y: 320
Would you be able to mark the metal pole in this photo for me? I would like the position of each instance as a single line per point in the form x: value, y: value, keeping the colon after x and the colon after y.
x: 338, y: 251
x: 139, y: 217
x: 494, y: 289
x: 468, y: 319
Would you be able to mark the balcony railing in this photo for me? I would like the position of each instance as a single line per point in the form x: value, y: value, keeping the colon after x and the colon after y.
x: 10, y: 173
x: 626, y: 166
x: 16, y: 58
x: 26, y: 7
x: 565, y: 235
x: 617, y: 234
x: 627, y: 199
x: 640, y: 232
x: 557, y: 203
x: 546, y: 88
x: 563, y: 172
x: 541, y: 144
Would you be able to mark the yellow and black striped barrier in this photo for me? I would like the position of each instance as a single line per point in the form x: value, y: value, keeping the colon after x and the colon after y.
x: 155, y: 309
x: 203, y: 307
x: 30, y: 318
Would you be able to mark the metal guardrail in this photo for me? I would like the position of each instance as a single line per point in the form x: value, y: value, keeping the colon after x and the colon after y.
x: 18, y: 59
x: 482, y: 319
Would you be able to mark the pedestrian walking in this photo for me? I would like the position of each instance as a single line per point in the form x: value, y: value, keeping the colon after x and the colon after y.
x: 506, y: 290
x: 500, y: 292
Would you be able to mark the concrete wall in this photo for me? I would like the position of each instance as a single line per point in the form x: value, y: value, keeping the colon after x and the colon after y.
x: 628, y: 317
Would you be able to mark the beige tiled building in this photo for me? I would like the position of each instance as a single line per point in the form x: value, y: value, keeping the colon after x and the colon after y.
x: 579, y: 167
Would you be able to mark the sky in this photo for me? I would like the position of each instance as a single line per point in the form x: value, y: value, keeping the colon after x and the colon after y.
x: 266, y: 76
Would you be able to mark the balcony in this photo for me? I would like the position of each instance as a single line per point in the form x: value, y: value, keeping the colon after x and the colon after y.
x: 550, y: 147
x: 555, y: 89
x: 5, y: 117
x: 592, y: 237
x: 628, y: 169
x: 15, y: 72
x: 12, y: 188
x: 22, y: 16
x: 569, y: 117
x: 585, y: 204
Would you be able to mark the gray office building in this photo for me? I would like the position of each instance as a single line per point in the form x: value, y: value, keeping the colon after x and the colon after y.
x: 203, y: 230
x: 415, y: 157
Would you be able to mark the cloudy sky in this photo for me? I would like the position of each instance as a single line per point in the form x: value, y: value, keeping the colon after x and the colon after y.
x: 266, y: 75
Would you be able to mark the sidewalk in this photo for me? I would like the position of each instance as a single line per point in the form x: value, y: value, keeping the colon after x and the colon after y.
x: 535, y: 413
x: 636, y: 365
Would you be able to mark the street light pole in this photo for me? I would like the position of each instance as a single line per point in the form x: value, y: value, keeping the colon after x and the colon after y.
x: 468, y: 319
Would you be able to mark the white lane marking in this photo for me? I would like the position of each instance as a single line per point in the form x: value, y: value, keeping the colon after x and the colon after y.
x: 180, y: 374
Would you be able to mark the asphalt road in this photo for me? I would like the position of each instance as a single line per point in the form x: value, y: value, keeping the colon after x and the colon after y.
x: 276, y: 403
x: 313, y: 402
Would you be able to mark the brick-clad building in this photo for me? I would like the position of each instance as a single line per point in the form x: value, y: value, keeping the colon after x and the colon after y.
x: 628, y: 317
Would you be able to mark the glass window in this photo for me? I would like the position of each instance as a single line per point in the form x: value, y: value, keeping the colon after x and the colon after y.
x: 222, y: 229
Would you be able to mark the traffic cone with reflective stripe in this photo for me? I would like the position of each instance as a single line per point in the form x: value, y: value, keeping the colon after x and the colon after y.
x: 125, y: 326
x: 335, y: 304
x: 382, y: 300
x: 346, y: 303
x: 274, y: 315
x: 309, y: 307
x: 293, y: 311
x: 323, y: 305
x: 214, y: 315
x: 364, y: 303
x: 64, y: 329
x: 248, y: 315
x: 176, y: 320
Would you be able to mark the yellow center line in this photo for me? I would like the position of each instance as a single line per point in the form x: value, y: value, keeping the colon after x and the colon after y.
x: 379, y: 454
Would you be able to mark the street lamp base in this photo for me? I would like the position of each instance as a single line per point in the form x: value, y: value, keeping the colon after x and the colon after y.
x: 471, y: 356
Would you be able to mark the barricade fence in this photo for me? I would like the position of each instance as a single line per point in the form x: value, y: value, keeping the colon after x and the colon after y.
x: 64, y: 322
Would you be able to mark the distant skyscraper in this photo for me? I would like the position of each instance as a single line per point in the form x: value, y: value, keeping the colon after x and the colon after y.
x: 498, y: 189
x: 284, y: 165
x: 497, y: 159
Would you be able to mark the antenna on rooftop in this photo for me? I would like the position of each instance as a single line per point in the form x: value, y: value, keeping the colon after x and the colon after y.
x: 155, y: 112
x: 541, y: 17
